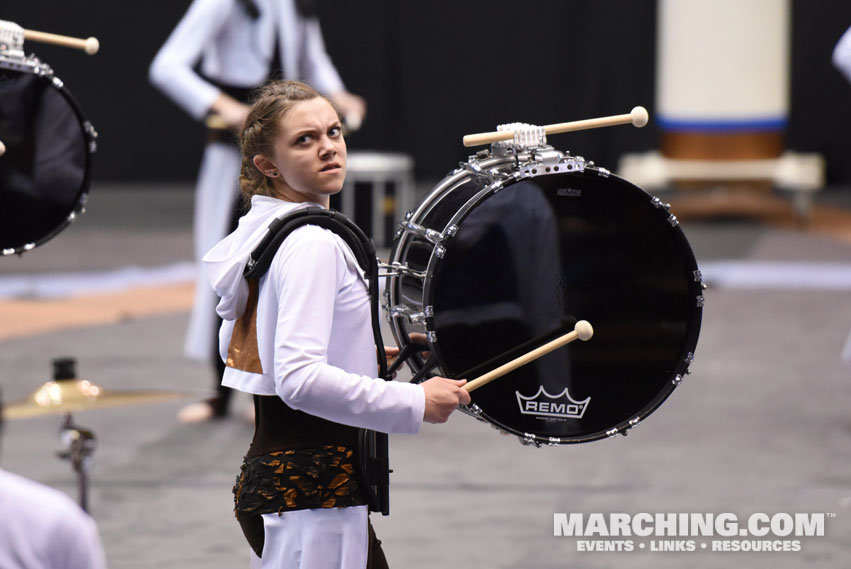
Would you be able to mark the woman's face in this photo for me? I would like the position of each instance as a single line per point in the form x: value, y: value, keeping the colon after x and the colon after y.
x: 309, y: 153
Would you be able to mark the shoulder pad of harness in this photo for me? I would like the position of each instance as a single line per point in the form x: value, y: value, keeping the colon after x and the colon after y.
x: 262, y: 255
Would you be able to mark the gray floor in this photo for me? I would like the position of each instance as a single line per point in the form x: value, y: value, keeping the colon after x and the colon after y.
x: 761, y: 425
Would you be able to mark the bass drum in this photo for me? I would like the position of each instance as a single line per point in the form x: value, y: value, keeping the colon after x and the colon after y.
x: 507, y: 253
x: 46, y: 169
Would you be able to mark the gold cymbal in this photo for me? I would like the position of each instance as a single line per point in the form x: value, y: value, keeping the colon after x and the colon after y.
x: 69, y: 395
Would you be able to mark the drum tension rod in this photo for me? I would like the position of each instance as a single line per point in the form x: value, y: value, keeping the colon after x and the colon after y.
x: 397, y: 269
x: 435, y: 237
x: 477, y: 171
x: 410, y: 315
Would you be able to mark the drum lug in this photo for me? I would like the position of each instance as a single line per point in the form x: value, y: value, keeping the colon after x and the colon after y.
x: 432, y: 336
x: 418, y: 318
x: 611, y: 433
x: 678, y: 379
x: 474, y: 169
x: 432, y: 236
x: 497, y: 186
x: 672, y: 219
x: 42, y: 69
x: 19, y: 251
x: 90, y: 131
x: 700, y: 300
x: 553, y: 441
x: 435, y: 237
x: 633, y: 423
x: 528, y: 439
x: 603, y: 172
x: 474, y: 411
x: 659, y: 203
x: 385, y: 305
x: 688, y: 361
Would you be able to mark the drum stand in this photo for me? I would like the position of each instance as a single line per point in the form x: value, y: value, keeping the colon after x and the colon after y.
x: 79, y: 445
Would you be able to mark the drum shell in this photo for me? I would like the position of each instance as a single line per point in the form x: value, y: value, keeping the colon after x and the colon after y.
x: 436, y: 212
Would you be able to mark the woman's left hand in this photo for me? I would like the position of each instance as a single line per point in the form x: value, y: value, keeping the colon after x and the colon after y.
x: 391, y: 352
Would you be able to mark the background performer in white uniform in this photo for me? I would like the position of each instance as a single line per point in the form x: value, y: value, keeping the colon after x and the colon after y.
x: 842, y: 54
x: 239, y: 44
x: 301, y: 340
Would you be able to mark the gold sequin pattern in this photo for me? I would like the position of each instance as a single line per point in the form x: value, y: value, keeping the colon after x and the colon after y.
x: 297, y: 479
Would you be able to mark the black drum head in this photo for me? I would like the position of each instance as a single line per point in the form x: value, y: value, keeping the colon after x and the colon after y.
x: 531, y: 260
x: 44, y: 173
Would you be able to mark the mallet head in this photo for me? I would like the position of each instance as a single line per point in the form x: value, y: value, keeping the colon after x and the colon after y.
x: 583, y: 329
x: 639, y: 117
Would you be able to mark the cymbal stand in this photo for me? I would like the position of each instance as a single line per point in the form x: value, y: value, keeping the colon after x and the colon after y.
x: 79, y: 445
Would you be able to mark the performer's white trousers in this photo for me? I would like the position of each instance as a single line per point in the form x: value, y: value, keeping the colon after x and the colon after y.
x: 325, y: 538
x: 215, y: 195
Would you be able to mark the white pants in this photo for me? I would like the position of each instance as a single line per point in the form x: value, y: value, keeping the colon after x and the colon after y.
x: 215, y: 194
x: 324, y: 538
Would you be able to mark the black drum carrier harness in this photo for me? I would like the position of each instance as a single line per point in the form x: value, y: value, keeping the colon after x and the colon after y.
x: 372, y: 451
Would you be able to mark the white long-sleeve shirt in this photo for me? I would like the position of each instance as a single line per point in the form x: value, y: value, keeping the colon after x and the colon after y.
x: 314, y: 330
x: 842, y: 54
x: 236, y: 50
x: 42, y: 528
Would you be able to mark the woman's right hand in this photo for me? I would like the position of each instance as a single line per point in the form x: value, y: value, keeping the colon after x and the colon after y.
x: 442, y: 397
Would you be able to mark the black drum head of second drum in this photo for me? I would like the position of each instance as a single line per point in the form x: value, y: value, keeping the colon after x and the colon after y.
x: 45, y: 170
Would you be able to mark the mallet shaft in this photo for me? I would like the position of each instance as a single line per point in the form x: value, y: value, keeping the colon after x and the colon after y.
x: 637, y: 117
x: 89, y: 45
x: 581, y: 331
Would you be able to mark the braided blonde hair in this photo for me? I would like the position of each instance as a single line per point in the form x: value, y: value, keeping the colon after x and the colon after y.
x: 269, y: 104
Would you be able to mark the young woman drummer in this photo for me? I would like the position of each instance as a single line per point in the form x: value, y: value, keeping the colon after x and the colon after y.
x: 302, y: 342
x: 219, y: 52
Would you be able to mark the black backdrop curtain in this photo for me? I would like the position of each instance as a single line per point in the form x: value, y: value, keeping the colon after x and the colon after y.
x: 432, y: 72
